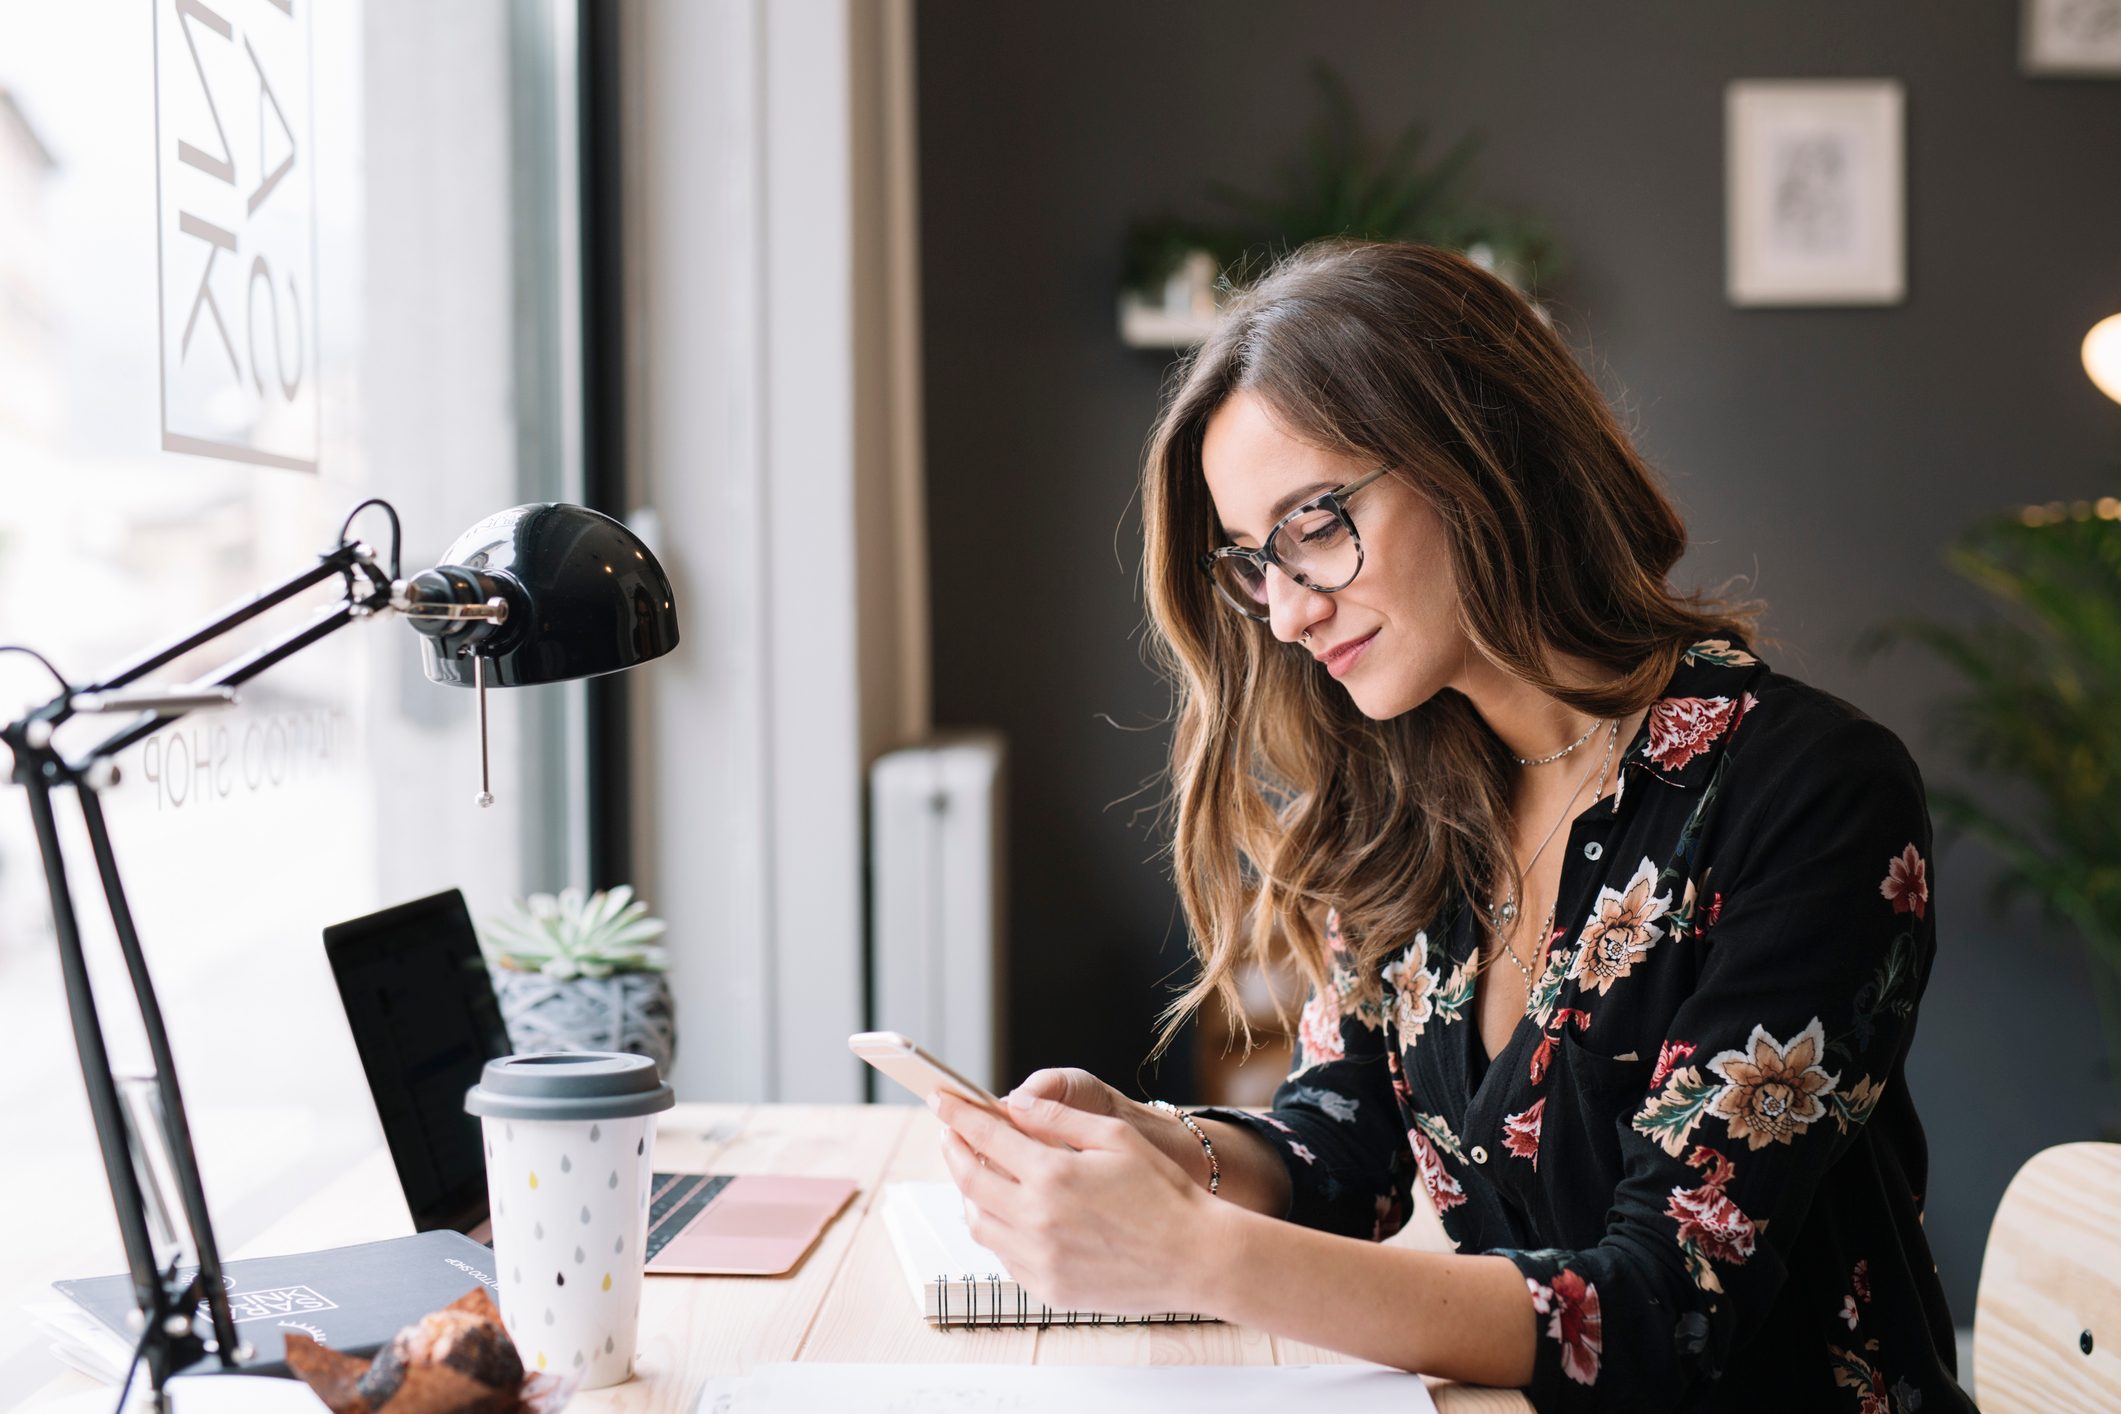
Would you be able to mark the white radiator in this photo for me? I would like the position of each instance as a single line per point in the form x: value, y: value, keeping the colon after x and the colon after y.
x: 938, y: 936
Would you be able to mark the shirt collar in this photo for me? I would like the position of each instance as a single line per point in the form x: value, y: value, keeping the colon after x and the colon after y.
x: 1687, y: 728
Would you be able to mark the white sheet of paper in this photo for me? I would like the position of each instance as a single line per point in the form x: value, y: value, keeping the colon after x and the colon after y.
x: 202, y: 1394
x: 818, y: 1387
x: 243, y: 1394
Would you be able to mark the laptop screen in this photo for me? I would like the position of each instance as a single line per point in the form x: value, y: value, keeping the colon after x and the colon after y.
x: 424, y: 1019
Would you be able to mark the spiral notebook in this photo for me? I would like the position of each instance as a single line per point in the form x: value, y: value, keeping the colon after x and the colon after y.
x: 957, y: 1282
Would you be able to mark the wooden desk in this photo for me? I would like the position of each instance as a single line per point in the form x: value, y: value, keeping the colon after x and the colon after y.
x: 848, y: 1301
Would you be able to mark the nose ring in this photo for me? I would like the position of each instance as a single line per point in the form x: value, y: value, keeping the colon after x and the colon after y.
x: 1307, y: 635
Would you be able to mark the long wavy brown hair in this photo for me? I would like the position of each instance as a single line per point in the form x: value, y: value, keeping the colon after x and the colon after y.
x: 1284, y: 798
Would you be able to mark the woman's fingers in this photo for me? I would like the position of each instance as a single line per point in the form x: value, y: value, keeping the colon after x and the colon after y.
x: 1057, y: 1123
x: 980, y: 1179
x: 988, y: 1133
x: 1071, y: 1086
x: 987, y: 1195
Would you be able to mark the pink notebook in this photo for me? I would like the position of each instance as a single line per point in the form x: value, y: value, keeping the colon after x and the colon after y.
x: 754, y: 1224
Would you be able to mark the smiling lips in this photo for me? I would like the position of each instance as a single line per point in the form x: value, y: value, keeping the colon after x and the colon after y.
x: 1339, y: 660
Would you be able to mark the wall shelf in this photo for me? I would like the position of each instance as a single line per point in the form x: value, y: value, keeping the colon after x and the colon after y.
x: 1147, y: 326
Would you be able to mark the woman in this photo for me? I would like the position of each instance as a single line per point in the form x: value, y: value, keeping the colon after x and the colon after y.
x: 1616, y: 935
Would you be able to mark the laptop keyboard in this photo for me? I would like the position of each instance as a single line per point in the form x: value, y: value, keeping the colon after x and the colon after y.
x: 678, y: 1198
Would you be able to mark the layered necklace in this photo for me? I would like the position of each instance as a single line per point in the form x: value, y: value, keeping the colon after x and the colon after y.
x: 1503, y: 915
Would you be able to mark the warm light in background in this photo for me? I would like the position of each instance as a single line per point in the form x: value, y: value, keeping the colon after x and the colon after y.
x: 2102, y: 355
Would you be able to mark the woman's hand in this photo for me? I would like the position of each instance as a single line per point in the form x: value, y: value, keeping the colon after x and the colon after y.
x: 1080, y: 1090
x: 1084, y: 1211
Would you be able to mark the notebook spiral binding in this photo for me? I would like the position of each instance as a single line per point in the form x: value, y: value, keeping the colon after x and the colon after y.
x: 1001, y: 1310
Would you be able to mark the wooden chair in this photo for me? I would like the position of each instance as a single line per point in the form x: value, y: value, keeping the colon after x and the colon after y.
x: 2047, y: 1318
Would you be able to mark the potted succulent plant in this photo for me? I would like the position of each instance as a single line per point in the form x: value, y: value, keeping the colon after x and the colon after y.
x: 579, y: 971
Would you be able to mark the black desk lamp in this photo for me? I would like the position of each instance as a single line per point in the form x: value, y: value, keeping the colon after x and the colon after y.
x: 536, y: 594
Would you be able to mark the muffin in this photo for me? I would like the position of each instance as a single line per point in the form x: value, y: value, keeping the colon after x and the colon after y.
x: 468, y: 1342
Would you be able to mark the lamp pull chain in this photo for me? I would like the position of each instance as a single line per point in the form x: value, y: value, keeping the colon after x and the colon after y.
x: 478, y: 679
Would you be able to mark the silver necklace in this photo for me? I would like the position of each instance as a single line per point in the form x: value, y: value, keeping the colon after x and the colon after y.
x: 1543, y: 760
x: 1502, y: 916
x: 1511, y: 953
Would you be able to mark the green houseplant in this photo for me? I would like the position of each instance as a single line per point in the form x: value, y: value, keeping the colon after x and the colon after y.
x: 1342, y: 182
x: 578, y: 971
x: 2037, y: 711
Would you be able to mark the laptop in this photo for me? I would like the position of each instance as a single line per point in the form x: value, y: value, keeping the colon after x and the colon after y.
x: 423, y: 1015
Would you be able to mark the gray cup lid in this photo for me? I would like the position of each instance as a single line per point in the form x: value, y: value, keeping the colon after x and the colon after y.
x: 568, y: 1085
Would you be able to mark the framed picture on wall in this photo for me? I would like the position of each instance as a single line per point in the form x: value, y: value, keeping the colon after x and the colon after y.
x: 1815, y: 192
x: 2070, y: 38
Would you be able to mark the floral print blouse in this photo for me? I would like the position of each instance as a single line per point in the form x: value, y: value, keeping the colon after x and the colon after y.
x: 1697, y: 1144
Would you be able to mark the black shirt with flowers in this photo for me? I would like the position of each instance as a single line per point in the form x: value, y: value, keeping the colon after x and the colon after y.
x: 1698, y: 1143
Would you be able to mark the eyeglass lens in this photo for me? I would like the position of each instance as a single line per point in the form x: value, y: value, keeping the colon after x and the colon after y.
x: 1316, y: 549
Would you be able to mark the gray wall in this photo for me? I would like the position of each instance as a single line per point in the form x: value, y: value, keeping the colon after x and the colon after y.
x: 1830, y: 453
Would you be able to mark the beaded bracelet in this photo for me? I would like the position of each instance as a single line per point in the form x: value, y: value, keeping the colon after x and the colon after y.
x: 1215, y: 1169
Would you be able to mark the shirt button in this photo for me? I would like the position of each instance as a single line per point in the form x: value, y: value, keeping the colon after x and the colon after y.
x: 1480, y: 1155
x: 1593, y: 850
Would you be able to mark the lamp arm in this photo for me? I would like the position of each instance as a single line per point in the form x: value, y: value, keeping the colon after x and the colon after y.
x: 233, y: 675
x: 350, y: 560
x: 184, y: 1164
x: 157, y: 1303
x: 166, y: 1303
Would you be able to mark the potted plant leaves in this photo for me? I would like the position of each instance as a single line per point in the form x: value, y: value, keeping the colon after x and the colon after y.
x: 1340, y: 183
x: 2036, y: 714
x: 578, y: 971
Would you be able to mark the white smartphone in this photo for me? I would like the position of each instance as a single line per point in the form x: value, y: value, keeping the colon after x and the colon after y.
x: 915, y: 1069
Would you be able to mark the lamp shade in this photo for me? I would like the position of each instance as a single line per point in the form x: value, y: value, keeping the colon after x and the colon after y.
x: 584, y: 597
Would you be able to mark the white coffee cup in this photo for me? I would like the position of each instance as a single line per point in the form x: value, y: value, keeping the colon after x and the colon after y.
x: 570, y: 1159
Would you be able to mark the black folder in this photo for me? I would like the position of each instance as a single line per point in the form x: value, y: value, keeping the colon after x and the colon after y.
x: 353, y: 1299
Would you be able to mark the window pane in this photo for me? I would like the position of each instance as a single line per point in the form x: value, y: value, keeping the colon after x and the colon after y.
x: 254, y: 268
